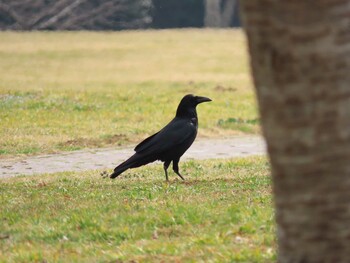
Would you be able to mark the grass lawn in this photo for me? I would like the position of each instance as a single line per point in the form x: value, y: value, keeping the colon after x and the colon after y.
x: 63, y: 91
x: 221, y: 213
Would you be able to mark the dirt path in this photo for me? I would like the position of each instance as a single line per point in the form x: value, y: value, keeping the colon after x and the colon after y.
x: 108, y: 158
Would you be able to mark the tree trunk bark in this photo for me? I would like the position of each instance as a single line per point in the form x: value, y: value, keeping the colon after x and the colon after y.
x: 300, y: 60
x: 212, y: 13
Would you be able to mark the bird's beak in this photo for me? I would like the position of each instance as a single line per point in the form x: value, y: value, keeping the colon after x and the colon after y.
x: 202, y: 99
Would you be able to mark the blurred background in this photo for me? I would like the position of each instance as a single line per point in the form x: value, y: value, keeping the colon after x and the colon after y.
x: 104, y: 66
x: 116, y: 14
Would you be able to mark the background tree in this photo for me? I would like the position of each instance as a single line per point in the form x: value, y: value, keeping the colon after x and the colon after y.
x: 116, y: 14
x: 219, y: 13
x: 300, y: 59
x: 74, y: 14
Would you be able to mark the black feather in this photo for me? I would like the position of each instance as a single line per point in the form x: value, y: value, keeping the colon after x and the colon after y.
x: 171, y: 142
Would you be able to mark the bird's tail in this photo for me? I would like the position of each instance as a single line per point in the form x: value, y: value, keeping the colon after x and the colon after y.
x: 133, y: 161
x: 118, y: 170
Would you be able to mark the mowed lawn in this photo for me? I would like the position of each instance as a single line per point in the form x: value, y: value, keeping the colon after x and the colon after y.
x: 221, y: 213
x: 64, y: 91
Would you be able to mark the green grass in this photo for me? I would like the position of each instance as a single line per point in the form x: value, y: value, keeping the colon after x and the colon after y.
x: 64, y: 91
x: 221, y: 213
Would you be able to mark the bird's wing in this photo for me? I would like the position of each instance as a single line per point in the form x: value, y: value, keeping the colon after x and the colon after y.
x: 172, y: 135
x: 144, y: 143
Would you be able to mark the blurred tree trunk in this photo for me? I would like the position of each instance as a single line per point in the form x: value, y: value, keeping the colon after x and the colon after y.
x: 300, y: 59
x: 228, y: 13
x: 212, y: 13
x: 219, y: 13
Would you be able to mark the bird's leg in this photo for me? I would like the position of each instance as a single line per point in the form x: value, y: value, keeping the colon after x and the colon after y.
x: 176, y: 168
x: 166, y: 165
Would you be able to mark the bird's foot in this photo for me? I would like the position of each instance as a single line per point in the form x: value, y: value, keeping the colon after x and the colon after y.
x: 183, y: 179
x: 104, y: 174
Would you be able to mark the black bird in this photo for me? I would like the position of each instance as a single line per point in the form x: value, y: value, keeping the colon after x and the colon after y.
x: 171, y: 142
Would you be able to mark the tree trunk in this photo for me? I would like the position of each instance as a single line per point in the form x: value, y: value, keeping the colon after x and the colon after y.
x: 212, y: 13
x: 300, y: 59
x: 228, y: 13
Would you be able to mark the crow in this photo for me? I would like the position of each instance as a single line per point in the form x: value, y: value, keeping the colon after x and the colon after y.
x: 171, y: 142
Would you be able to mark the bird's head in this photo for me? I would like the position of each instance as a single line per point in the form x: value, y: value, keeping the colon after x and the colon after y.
x: 189, y: 103
x: 192, y: 101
